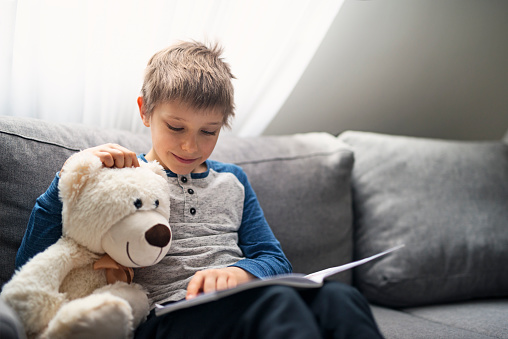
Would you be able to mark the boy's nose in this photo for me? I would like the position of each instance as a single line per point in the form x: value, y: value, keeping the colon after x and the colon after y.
x: 190, y: 145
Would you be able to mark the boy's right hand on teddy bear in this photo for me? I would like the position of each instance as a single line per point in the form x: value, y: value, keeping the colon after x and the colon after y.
x: 113, y: 155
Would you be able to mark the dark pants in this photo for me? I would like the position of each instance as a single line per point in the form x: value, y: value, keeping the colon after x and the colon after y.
x: 333, y: 311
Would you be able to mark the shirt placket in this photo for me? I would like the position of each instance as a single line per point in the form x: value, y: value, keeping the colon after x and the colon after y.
x: 190, y: 200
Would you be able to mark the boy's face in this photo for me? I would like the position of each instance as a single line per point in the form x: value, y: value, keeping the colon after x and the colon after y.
x: 182, y: 136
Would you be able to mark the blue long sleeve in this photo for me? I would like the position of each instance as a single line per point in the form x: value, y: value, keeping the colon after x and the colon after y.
x: 44, y: 226
x: 263, y: 253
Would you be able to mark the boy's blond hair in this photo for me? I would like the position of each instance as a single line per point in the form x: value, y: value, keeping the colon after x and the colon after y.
x: 192, y: 73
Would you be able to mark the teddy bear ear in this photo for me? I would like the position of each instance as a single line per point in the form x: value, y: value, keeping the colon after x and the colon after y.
x: 155, y: 167
x: 77, y: 170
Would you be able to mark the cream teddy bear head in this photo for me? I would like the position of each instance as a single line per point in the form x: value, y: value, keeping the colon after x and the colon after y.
x: 122, y: 212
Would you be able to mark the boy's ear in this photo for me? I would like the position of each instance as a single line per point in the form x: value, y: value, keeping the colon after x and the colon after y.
x: 142, y: 112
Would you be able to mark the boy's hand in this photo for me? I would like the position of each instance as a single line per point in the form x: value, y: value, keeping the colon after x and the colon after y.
x: 216, y: 279
x: 113, y: 155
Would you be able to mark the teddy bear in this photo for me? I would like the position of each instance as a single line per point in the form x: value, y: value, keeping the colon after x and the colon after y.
x: 113, y: 220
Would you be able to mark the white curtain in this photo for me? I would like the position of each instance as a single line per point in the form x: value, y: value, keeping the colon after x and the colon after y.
x: 83, y: 60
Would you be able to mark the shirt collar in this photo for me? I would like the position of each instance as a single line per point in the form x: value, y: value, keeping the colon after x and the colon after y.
x: 174, y: 175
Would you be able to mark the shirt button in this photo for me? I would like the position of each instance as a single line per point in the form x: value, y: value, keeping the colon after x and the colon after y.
x: 184, y: 179
x: 190, y: 190
x: 192, y: 211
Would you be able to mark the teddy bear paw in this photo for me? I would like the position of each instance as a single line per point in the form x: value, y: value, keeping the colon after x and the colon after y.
x: 95, y: 316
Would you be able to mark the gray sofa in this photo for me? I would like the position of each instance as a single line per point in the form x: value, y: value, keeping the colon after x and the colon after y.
x: 330, y: 200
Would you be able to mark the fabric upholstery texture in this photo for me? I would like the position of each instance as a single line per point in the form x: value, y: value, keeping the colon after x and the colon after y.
x: 485, y: 317
x: 447, y: 201
x: 402, y: 324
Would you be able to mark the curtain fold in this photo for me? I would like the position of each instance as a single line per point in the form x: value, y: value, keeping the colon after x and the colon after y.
x: 83, y: 60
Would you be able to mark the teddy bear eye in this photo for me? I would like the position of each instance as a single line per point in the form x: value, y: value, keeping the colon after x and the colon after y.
x: 138, y: 203
x: 156, y: 203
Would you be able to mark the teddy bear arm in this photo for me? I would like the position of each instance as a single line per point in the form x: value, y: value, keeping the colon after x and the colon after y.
x: 48, y: 269
x: 33, y: 291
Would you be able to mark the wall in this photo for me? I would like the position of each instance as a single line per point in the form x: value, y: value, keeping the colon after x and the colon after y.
x: 411, y: 67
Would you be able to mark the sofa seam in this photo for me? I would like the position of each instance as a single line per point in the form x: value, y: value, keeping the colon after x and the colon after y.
x: 40, y: 140
x: 291, y: 158
x: 374, y: 282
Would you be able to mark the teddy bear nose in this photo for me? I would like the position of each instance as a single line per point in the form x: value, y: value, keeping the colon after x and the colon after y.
x: 158, y: 235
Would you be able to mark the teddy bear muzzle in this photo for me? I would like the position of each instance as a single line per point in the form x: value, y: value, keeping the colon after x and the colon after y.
x: 140, y: 239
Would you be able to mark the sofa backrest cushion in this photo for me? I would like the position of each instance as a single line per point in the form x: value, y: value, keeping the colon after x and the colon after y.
x: 303, y: 185
x: 302, y: 182
x: 447, y: 201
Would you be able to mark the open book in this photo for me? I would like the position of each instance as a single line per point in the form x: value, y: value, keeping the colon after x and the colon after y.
x: 295, y: 280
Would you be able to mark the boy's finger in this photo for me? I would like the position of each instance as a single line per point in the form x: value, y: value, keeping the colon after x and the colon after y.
x: 117, y: 156
x: 133, y: 161
x: 106, y: 158
x: 119, y: 160
x: 129, y: 157
x: 232, y: 283
x: 194, y: 286
x: 210, y: 283
x: 222, y: 282
x: 127, y: 162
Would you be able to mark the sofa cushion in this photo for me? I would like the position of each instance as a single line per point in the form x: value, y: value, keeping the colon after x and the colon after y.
x: 468, y: 320
x: 487, y: 317
x: 303, y: 185
x: 447, y: 201
x: 32, y: 152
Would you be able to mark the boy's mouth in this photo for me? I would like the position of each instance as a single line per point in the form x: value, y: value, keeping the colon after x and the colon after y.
x: 183, y: 160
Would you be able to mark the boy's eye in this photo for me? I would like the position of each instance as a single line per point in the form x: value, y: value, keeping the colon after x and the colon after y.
x: 176, y: 129
x: 208, y: 132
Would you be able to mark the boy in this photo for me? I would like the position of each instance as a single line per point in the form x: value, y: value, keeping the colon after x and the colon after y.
x: 220, y: 236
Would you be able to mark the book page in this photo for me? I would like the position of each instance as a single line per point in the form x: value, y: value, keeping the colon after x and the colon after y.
x: 321, y: 275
